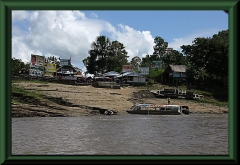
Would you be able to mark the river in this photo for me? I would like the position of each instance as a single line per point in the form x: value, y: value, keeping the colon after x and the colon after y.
x: 128, y: 134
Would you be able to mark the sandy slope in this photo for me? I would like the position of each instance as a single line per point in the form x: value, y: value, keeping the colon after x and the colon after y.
x: 86, y: 98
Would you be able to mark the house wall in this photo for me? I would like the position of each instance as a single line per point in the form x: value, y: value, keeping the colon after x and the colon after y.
x: 67, y: 77
x: 173, y: 77
x: 137, y: 81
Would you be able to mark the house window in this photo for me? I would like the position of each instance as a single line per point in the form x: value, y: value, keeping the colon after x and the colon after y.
x: 130, y: 78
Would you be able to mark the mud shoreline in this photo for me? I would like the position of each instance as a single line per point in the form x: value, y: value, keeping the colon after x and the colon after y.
x: 62, y: 100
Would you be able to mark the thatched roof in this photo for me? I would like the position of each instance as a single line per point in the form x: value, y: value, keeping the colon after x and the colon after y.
x: 178, y: 68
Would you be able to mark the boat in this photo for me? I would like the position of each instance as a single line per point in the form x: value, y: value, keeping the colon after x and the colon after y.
x: 175, y: 93
x: 156, y: 109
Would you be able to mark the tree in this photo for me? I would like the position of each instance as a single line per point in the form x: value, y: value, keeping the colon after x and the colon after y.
x: 173, y: 57
x: 159, y: 48
x: 147, y: 60
x: 105, y: 56
x: 196, y: 56
x: 96, y: 62
x: 117, y: 57
x: 218, y: 56
x: 208, y: 57
x: 91, y: 63
x: 136, y: 61
x: 101, y: 47
x: 53, y: 60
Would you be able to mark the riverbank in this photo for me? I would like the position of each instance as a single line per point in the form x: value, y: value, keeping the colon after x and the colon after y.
x: 73, y: 100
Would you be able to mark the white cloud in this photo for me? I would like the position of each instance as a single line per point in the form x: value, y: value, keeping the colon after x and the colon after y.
x: 22, y: 51
x: 94, y: 15
x: 19, y: 15
x: 69, y: 34
x: 136, y: 43
x: 64, y: 33
x: 187, y: 40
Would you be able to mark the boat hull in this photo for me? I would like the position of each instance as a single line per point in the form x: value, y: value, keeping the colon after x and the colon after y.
x: 153, y: 112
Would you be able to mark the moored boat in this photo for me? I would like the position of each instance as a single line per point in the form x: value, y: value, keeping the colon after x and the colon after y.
x: 156, y: 109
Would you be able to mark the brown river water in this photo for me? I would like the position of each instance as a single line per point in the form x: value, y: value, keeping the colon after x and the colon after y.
x: 128, y: 134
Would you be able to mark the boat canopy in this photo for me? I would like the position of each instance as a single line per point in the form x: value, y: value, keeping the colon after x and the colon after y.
x: 156, y: 105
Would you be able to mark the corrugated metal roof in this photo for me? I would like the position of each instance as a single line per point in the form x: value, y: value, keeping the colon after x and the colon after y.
x: 135, y: 74
x: 178, y: 68
x: 111, y: 73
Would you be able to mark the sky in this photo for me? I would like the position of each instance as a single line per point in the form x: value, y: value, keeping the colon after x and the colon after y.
x: 69, y: 33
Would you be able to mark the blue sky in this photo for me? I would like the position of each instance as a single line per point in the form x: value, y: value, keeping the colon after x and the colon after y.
x: 69, y: 33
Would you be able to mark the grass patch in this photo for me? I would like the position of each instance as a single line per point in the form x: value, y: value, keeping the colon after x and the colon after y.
x: 22, y: 91
x: 28, y: 81
x: 16, y: 101
x: 21, y: 95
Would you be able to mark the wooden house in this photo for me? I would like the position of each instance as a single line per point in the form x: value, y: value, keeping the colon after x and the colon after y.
x: 175, y: 74
x: 67, y: 72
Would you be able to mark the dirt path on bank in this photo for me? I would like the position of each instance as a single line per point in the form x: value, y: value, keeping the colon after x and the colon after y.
x: 74, y: 100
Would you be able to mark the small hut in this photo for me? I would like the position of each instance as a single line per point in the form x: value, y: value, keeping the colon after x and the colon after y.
x: 67, y: 72
x: 175, y: 74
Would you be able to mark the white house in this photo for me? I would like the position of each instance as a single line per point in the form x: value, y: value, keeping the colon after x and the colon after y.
x: 132, y: 78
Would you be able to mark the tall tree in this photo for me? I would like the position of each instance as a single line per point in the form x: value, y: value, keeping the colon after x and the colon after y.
x: 218, y: 56
x: 196, y: 56
x: 147, y: 60
x: 117, y: 56
x: 105, y: 56
x: 159, y: 48
x: 101, y: 47
x: 208, y: 57
x: 174, y: 57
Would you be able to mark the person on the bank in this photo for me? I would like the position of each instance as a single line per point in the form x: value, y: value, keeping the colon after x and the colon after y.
x: 168, y: 99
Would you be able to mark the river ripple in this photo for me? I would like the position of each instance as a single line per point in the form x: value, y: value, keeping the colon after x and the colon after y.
x: 194, y: 134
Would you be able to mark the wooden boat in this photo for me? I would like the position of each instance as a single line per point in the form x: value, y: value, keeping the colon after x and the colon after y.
x: 153, y: 109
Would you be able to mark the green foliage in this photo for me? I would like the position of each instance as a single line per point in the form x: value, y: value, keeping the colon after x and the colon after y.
x: 136, y: 61
x: 105, y: 56
x: 33, y: 94
x: 53, y: 60
x: 146, y: 61
x: 154, y: 72
x: 207, y: 58
x: 117, y: 56
x: 20, y: 90
x: 159, y: 48
x: 174, y: 57
x: 19, y: 67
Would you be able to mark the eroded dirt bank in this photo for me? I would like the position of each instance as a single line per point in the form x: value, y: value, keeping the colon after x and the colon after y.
x: 73, y: 100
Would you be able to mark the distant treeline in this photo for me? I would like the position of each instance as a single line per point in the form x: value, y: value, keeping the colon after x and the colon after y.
x: 206, y: 59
